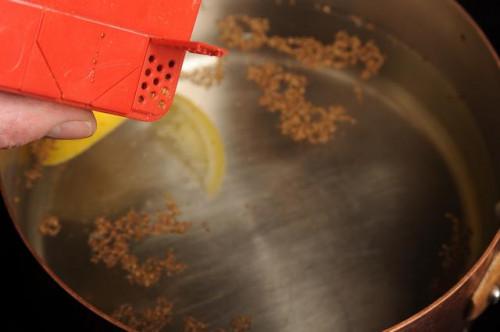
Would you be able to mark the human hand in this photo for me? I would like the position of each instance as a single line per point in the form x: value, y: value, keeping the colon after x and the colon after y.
x: 24, y: 120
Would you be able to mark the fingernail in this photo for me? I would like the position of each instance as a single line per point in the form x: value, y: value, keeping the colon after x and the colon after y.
x: 72, y: 130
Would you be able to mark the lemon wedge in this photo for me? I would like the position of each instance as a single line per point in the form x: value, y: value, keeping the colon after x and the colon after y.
x: 191, y: 135
x: 62, y: 151
x: 187, y: 133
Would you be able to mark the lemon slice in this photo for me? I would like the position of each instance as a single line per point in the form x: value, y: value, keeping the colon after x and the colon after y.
x: 62, y: 151
x: 195, y: 140
x: 188, y: 133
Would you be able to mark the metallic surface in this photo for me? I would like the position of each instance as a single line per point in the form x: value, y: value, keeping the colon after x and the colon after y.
x: 345, y: 236
x: 485, y: 292
x: 495, y: 295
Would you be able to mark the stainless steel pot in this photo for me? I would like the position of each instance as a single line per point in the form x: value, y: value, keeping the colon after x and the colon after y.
x: 348, y: 236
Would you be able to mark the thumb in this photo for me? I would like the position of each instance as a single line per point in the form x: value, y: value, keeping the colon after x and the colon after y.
x: 23, y: 120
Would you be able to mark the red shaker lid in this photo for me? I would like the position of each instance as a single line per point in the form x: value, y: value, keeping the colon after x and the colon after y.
x: 117, y: 56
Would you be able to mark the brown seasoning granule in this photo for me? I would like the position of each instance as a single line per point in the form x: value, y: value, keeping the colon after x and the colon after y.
x: 193, y: 325
x: 32, y: 175
x: 284, y: 92
x: 40, y: 151
x: 248, y: 33
x: 244, y: 32
x: 111, y: 241
x: 171, y: 265
x: 150, y: 320
x: 207, y: 76
x: 144, y: 274
x: 50, y: 226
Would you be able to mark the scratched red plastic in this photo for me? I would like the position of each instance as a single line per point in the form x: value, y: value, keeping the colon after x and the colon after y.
x: 118, y: 56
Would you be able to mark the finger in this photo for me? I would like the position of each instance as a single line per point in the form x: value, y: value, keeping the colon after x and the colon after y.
x: 23, y: 120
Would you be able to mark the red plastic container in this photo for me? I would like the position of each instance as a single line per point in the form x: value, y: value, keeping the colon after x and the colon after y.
x: 117, y: 56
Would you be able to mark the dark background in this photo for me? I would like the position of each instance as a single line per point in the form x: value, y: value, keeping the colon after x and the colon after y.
x: 32, y: 301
